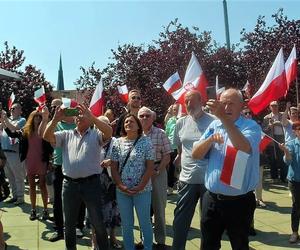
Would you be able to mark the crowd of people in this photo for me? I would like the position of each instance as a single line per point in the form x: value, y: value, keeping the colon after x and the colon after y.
x: 105, y: 168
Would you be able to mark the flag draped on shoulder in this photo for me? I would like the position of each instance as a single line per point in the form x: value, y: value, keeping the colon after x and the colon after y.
x: 11, y: 100
x: 123, y: 91
x: 234, y: 167
x: 291, y: 67
x: 173, y: 83
x: 97, y: 101
x: 273, y: 87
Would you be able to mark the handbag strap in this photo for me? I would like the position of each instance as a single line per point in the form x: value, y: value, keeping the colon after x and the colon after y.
x: 128, y: 154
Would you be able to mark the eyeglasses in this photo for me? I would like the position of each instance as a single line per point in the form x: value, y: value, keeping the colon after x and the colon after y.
x: 144, y: 116
x: 136, y: 98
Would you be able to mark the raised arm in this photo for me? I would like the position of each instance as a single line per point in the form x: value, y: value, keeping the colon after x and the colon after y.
x: 50, y: 129
x: 102, y: 126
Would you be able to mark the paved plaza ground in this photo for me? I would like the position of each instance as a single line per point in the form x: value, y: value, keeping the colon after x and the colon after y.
x: 272, y: 225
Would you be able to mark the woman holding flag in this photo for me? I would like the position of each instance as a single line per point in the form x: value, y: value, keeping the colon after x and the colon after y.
x: 292, y: 159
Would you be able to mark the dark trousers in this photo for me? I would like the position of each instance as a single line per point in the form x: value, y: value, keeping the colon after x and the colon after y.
x: 74, y: 193
x: 276, y: 160
x: 295, y: 216
x: 57, y: 203
x: 188, y: 197
x: 171, y: 170
x: 234, y: 216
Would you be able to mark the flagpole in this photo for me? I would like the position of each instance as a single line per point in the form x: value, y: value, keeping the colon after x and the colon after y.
x: 273, y: 139
x: 297, y: 93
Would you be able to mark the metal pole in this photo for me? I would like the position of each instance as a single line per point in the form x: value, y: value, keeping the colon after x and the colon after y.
x: 226, y: 24
x: 297, y: 93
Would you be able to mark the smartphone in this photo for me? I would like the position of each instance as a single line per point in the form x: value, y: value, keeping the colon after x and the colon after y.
x: 71, y: 112
x: 211, y: 92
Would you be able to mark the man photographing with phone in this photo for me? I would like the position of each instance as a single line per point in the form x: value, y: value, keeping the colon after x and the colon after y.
x: 81, y: 149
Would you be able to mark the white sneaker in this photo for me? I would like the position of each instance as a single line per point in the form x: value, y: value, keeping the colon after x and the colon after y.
x: 170, y: 191
x: 79, y: 233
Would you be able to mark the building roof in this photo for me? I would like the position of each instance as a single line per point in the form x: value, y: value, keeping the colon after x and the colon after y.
x: 8, y: 75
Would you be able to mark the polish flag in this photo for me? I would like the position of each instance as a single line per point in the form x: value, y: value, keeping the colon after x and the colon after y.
x: 247, y: 89
x: 69, y: 103
x: 40, y: 97
x: 173, y: 83
x: 123, y: 91
x: 195, y: 78
x: 291, y: 67
x: 97, y: 102
x: 265, y: 141
x: 273, y: 87
x: 234, y: 167
x: 11, y: 100
x: 218, y: 90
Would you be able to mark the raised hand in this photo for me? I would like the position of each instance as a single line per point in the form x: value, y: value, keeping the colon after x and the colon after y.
x: 216, y: 108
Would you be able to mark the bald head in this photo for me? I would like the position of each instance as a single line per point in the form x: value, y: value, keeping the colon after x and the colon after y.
x: 233, y: 101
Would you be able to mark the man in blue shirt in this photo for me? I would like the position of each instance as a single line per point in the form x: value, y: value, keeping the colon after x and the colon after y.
x: 226, y: 207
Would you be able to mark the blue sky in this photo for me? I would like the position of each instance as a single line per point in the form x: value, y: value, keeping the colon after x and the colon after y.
x: 86, y: 31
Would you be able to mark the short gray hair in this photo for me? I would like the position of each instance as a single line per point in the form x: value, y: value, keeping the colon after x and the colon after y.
x: 147, y: 110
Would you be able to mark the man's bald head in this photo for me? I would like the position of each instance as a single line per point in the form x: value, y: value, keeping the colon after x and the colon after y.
x: 233, y: 101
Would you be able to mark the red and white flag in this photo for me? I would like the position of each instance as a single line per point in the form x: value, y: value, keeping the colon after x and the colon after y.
x: 218, y: 90
x: 195, y: 77
x: 272, y: 88
x: 69, y: 103
x: 234, y: 167
x: 40, y: 97
x: 97, y: 102
x: 264, y: 142
x: 123, y: 91
x: 11, y: 100
x: 247, y: 89
x: 173, y: 83
x: 291, y: 67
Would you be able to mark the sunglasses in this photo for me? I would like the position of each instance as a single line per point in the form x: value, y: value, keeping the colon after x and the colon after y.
x: 136, y: 98
x: 247, y: 113
x: 297, y: 129
x: 144, y: 116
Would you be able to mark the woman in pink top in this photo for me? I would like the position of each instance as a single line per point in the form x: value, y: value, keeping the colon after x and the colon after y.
x: 36, y: 152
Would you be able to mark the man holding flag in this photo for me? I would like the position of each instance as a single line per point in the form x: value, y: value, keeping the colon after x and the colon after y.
x: 231, y: 145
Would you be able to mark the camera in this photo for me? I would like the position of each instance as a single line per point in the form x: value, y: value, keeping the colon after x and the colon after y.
x: 71, y: 112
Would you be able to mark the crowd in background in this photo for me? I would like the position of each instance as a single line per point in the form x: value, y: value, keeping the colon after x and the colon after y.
x: 103, y: 168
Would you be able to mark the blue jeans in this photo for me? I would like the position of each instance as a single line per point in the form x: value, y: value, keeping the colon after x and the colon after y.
x: 73, y: 194
x: 141, y: 202
x: 188, y: 197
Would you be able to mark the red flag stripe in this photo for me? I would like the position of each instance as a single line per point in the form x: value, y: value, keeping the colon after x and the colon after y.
x: 97, y: 107
x: 265, y: 141
x: 229, y: 160
x: 275, y: 90
x: 176, y: 85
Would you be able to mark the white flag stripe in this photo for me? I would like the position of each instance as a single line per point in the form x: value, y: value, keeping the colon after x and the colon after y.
x: 239, y: 169
x: 291, y: 59
x: 275, y: 71
x: 122, y: 89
